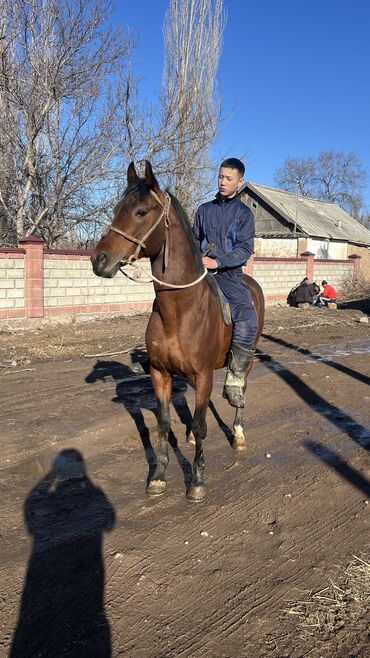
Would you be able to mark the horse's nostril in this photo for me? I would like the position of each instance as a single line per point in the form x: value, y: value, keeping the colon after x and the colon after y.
x: 102, y: 259
x: 99, y: 262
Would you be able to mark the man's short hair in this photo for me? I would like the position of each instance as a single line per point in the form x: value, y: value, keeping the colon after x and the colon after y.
x: 234, y: 163
x: 324, y: 283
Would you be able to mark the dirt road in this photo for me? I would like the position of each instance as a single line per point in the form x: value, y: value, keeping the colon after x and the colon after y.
x: 90, y: 566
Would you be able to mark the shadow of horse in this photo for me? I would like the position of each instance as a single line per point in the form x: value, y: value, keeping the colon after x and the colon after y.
x: 62, y: 608
x: 134, y: 390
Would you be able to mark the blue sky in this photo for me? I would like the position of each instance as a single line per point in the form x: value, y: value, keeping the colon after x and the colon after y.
x: 296, y: 73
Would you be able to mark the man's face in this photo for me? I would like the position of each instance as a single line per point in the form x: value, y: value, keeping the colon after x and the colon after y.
x: 228, y: 182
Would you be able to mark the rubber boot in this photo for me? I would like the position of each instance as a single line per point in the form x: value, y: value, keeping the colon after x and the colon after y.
x: 239, y: 359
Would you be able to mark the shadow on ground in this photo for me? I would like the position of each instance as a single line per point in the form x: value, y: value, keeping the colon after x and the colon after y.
x: 134, y: 390
x: 362, y: 305
x: 62, y: 607
x: 359, y: 433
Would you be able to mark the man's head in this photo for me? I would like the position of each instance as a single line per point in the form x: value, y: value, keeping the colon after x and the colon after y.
x: 230, y: 177
x: 324, y: 283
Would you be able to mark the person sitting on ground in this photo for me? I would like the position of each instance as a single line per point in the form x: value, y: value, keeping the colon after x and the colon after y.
x: 328, y: 295
x: 304, y: 293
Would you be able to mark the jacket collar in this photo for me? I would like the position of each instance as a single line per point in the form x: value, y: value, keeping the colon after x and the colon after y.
x: 221, y: 200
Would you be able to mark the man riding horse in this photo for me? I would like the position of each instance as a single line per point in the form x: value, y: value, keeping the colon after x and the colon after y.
x: 225, y: 230
x: 150, y: 222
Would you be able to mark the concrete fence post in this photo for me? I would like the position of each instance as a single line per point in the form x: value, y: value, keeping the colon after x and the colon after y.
x: 310, y: 260
x: 355, y: 259
x: 34, y: 276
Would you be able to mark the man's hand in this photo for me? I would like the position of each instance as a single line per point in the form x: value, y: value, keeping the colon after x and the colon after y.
x: 209, y: 263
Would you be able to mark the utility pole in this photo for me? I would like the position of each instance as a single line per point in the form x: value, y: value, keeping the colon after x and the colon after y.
x: 298, y: 183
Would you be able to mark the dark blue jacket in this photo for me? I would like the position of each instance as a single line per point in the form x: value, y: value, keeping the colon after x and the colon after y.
x: 226, y: 228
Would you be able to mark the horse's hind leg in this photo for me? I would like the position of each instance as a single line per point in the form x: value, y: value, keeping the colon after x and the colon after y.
x: 197, y: 491
x: 238, y: 427
x: 238, y: 443
x: 162, y: 383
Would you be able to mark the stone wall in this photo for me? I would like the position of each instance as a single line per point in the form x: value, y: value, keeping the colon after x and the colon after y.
x: 277, y: 276
x: 71, y: 287
x: 36, y: 282
x: 337, y: 273
x: 364, y: 253
x: 12, y: 287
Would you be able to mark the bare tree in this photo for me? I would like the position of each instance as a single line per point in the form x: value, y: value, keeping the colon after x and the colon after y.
x: 58, y: 135
x: 177, y: 132
x: 193, y: 34
x: 365, y: 219
x: 330, y: 176
x: 71, y: 118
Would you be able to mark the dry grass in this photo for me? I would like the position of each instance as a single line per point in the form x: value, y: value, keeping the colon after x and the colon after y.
x: 354, y: 290
x: 321, y: 614
x: 62, y: 342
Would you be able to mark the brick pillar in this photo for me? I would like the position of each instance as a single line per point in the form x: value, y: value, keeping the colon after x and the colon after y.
x: 356, y: 260
x: 34, y: 276
x: 248, y: 268
x: 310, y: 259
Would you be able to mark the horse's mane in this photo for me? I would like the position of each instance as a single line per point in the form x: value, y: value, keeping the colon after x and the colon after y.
x: 184, y: 219
x: 185, y: 223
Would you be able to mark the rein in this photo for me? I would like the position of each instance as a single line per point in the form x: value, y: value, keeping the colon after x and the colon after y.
x: 141, y: 245
x: 140, y: 270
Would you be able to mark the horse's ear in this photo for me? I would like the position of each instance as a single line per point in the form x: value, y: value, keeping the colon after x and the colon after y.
x: 150, y: 178
x: 131, y: 173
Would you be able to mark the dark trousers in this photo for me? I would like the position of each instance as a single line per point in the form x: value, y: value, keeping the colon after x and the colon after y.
x: 242, y: 308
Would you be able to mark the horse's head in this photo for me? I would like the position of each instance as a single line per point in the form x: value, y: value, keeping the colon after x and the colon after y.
x: 137, y: 229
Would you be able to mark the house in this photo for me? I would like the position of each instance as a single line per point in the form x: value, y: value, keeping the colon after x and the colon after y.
x: 288, y: 225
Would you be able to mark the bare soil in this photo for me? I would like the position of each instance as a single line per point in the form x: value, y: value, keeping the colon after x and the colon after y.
x: 90, y: 566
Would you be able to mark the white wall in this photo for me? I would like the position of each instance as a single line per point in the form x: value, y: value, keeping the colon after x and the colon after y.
x: 288, y: 248
x: 275, y: 247
x: 327, y: 249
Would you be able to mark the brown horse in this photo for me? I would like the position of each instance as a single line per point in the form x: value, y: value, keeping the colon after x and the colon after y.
x: 186, y: 333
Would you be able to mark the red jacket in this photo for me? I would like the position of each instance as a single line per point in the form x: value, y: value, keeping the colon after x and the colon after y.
x: 329, y: 292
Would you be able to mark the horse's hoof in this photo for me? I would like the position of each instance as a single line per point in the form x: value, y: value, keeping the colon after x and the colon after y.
x: 238, y: 444
x: 156, y: 487
x: 191, y: 439
x: 196, y: 493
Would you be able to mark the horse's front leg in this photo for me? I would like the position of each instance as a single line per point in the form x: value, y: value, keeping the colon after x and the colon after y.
x: 203, y: 388
x: 162, y: 383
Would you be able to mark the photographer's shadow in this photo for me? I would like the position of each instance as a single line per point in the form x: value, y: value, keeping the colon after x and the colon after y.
x: 135, y: 391
x: 62, y: 608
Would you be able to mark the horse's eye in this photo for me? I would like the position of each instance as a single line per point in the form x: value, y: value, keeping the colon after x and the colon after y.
x: 141, y: 213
